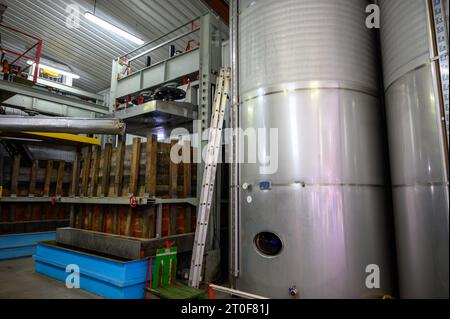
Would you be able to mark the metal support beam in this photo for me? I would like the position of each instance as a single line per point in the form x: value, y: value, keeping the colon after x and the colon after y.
x: 161, y: 37
x: 37, y: 106
x: 51, y: 97
x: 70, y: 89
x: 163, y: 44
x: 61, y: 125
x: 234, y: 208
x: 221, y: 8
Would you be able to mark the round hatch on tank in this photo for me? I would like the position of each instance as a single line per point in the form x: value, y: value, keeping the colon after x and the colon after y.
x: 268, y: 244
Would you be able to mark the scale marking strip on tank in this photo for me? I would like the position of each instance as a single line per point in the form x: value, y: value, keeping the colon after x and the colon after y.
x: 442, y: 47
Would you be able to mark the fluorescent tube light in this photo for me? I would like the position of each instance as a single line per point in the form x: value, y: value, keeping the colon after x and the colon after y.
x: 108, y: 26
x: 68, y: 74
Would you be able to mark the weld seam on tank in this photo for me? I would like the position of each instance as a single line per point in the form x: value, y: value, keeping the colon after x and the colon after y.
x: 253, y: 96
x: 304, y: 184
x: 425, y: 184
x: 424, y: 65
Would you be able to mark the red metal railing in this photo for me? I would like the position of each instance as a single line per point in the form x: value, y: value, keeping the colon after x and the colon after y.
x: 38, y: 45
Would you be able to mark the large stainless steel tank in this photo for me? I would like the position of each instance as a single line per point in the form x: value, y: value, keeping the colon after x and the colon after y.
x: 418, y: 160
x: 308, y: 68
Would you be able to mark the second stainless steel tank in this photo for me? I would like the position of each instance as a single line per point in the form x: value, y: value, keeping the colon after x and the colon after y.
x: 417, y: 150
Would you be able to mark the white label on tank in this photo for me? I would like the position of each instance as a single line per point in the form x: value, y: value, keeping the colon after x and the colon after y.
x: 249, y: 199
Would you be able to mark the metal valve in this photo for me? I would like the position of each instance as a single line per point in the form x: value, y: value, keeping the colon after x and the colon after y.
x: 293, y: 292
x: 133, y: 201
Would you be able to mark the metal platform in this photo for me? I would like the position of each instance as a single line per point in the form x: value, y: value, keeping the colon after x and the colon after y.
x: 19, y: 95
x: 158, y: 117
x: 129, y: 248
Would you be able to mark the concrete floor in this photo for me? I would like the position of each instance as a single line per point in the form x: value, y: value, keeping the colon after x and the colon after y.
x: 18, y: 280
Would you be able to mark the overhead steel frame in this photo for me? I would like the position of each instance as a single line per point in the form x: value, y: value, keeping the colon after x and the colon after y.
x: 205, y: 60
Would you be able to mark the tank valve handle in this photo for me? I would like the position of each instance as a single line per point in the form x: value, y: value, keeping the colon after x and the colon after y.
x: 246, y: 186
x: 133, y: 201
x: 293, y: 292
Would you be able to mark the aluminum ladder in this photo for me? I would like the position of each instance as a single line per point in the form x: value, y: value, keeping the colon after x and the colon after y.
x: 209, y: 175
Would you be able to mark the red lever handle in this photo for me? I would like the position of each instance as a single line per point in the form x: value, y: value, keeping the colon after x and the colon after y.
x: 133, y: 201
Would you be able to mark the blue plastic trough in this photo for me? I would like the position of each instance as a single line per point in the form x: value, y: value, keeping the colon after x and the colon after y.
x: 22, y: 245
x: 102, y: 276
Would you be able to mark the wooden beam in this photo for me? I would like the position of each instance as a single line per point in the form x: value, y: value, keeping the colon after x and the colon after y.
x: 150, y: 169
x: 118, y: 172
x: 74, y: 186
x: 14, y: 185
x: 94, y: 171
x: 106, y: 169
x: 48, y: 178
x: 32, y: 187
x: 74, y: 182
x: 118, y: 181
x: 149, y: 224
x: 85, y: 171
x: 60, y: 178
x: 93, y: 185
x: 15, y: 175
x: 134, y: 178
x: 106, y: 172
x: 173, y: 193
x: 33, y: 176
x: 134, y: 166
x: 59, y: 187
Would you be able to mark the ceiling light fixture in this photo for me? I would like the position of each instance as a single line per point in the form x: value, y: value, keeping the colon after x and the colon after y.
x: 66, y: 73
x: 108, y: 26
